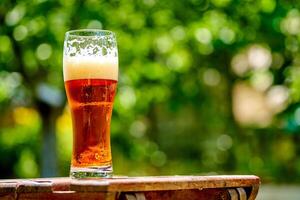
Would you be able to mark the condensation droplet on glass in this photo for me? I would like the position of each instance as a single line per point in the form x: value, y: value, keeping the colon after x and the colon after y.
x: 97, y: 156
x: 79, y: 158
x: 103, y: 154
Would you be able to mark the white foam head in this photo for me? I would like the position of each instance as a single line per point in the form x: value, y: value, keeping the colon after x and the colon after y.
x: 90, y: 67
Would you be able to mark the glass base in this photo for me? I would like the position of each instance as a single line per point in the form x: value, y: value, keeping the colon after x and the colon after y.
x: 91, y: 172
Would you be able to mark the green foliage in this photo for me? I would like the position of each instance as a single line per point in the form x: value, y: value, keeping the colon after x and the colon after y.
x: 204, y: 86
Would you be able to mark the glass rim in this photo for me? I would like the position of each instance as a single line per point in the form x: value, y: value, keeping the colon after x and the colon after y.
x: 89, y: 33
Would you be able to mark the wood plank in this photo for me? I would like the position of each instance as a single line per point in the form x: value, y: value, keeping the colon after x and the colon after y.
x: 175, y: 187
x: 8, y: 186
x: 163, y: 183
x: 62, y: 196
x: 195, y: 194
x: 254, y: 192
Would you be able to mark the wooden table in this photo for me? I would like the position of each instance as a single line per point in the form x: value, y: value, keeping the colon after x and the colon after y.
x: 133, y: 188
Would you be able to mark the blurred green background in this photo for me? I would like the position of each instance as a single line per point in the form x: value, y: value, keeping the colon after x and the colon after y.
x: 205, y: 87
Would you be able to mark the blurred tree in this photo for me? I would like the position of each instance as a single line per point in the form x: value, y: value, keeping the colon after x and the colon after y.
x: 205, y: 86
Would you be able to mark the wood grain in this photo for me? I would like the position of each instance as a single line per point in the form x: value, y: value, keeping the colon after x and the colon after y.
x: 164, y: 183
x: 162, y: 187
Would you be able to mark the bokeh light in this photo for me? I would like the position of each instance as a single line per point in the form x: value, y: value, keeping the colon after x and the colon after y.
x: 205, y: 87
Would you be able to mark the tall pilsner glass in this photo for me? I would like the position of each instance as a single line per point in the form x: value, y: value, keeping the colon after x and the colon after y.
x: 90, y: 68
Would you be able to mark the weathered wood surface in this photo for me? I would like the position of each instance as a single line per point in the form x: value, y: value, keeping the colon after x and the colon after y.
x: 133, y: 188
x: 164, y: 183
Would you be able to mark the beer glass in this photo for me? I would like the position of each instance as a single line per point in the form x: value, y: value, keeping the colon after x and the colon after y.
x: 90, y: 69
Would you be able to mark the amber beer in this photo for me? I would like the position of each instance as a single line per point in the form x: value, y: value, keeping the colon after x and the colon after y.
x: 91, y: 103
x: 91, y: 84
